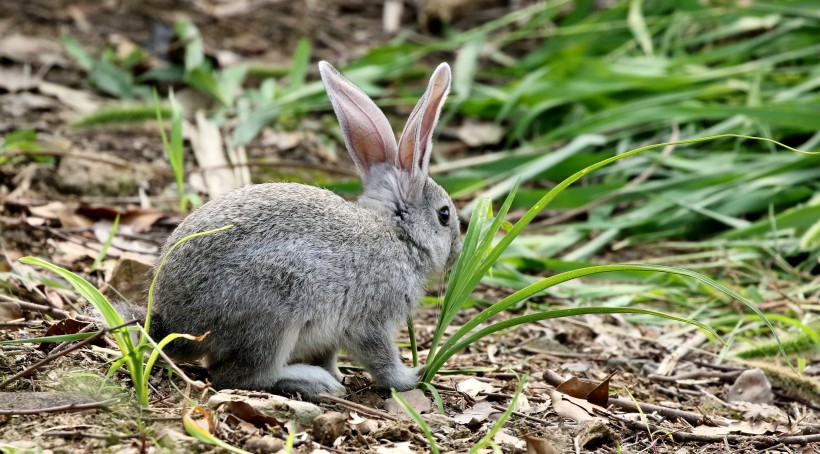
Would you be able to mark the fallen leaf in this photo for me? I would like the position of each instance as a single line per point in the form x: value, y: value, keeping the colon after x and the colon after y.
x: 595, y: 393
x: 578, y: 410
x: 206, y: 141
x: 80, y: 101
x: 415, y: 398
x: 63, y: 327
x: 539, y: 446
x: 475, y: 415
x: 397, y: 448
x: 245, y: 412
x: 503, y: 437
x: 472, y: 387
x: 15, y: 78
x: 31, y: 49
x: 10, y: 311
x: 329, y: 427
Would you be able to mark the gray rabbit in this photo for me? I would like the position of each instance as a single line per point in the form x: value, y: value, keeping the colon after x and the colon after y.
x: 304, y: 272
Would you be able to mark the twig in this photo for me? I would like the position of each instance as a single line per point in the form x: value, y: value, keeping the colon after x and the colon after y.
x: 359, y: 407
x: 64, y: 352
x: 53, y: 311
x: 692, y: 418
x: 69, y: 407
x: 68, y: 434
x: 723, y: 376
x: 65, y: 344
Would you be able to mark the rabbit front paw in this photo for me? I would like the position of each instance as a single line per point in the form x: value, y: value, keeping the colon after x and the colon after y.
x: 402, y: 378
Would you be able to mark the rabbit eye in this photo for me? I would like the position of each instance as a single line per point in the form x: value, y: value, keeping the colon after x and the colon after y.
x: 444, y: 215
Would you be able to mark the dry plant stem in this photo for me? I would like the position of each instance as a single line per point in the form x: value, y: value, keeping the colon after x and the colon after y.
x: 358, y: 407
x: 668, y: 413
x: 567, y: 215
x: 64, y: 352
x: 188, y: 380
x: 54, y: 312
x: 68, y: 434
x: 724, y: 376
x: 69, y: 407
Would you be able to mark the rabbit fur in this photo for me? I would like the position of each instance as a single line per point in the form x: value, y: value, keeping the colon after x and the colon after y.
x: 304, y: 272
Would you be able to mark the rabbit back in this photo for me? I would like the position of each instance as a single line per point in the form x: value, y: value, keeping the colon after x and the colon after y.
x: 296, y: 256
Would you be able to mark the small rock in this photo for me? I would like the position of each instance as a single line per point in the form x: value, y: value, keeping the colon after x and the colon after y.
x: 328, y: 427
x: 264, y: 445
x: 751, y: 386
x: 78, y: 175
x: 271, y: 405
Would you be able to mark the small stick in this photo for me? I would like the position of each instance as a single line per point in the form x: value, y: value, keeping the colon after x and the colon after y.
x: 64, y: 352
x: 69, y: 407
x: 68, y: 434
x: 53, y: 311
x: 724, y: 376
x: 359, y: 407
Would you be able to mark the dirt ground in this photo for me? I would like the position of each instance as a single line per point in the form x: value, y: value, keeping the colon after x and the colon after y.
x: 59, y: 204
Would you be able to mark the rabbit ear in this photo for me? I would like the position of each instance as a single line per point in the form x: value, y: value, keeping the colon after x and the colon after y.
x: 416, y: 139
x: 367, y: 133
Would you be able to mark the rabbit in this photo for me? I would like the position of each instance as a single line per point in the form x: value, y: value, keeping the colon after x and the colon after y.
x: 304, y: 272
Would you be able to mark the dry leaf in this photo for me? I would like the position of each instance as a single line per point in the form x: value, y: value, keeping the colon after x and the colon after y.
x: 80, y: 101
x: 245, y: 412
x: 503, y: 437
x: 206, y: 141
x: 474, y: 416
x: 397, y: 448
x: 539, y: 446
x: 578, y: 410
x: 472, y: 387
x: 595, y: 393
x: 28, y: 49
x: 415, y: 398
x: 15, y: 78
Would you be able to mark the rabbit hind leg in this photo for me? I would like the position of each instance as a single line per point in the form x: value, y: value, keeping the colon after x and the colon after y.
x: 308, y: 381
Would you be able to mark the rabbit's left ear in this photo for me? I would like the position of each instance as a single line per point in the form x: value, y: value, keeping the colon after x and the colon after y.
x: 416, y: 139
x: 366, y: 131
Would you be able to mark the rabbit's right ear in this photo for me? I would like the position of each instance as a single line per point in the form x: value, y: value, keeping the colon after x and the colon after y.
x: 366, y: 131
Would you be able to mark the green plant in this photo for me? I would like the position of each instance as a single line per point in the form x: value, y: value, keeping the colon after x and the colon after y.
x: 108, y: 73
x: 428, y: 434
x: 107, y: 244
x: 479, y: 254
x: 174, y: 150
x: 488, y: 438
x: 131, y: 349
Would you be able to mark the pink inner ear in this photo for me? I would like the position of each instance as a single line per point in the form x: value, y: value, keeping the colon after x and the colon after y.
x: 366, y: 131
x: 415, y: 140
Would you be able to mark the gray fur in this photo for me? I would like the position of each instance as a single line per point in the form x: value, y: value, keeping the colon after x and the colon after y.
x: 304, y: 272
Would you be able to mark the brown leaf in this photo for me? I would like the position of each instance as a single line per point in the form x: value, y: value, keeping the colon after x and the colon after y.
x: 27, y: 49
x: 578, y: 410
x: 595, y: 393
x: 539, y: 445
x: 61, y: 328
x: 245, y: 412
